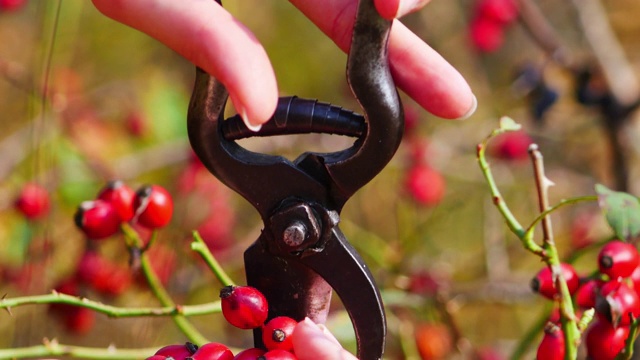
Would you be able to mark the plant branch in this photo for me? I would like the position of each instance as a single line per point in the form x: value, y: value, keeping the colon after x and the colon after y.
x: 567, y: 314
x: 53, y: 348
x: 109, y: 310
x: 198, y: 245
x: 135, y: 245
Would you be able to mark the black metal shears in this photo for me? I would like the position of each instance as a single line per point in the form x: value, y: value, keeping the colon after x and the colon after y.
x: 301, y: 254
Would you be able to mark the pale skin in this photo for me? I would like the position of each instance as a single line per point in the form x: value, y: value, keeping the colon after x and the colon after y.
x: 199, y: 29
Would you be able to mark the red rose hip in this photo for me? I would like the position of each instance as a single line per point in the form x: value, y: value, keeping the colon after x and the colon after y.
x: 121, y: 197
x: 545, y: 284
x: 276, y: 334
x: 618, y: 259
x: 153, y: 206
x: 212, y: 351
x: 278, y: 354
x: 249, y: 354
x: 33, y: 201
x: 98, y: 219
x: 552, y: 345
x: 244, y: 306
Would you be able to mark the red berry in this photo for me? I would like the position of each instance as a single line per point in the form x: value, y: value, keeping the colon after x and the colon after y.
x: 157, y: 357
x: 98, y: 219
x: 618, y: 302
x: 278, y: 354
x: 121, y: 197
x: 135, y: 124
x: 618, y: 259
x: 552, y: 345
x: 244, y: 306
x: 501, y: 11
x: 11, y: 5
x: 212, y: 351
x: 249, y: 354
x: 433, y: 341
x: 33, y: 201
x: 178, y: 351
x: 603, y: 341
x: 425, y: 185
x: 79, y: 320
x: 101, y: 274
x: 513, y: 145
x: 153, y: 206
x: 276, y: 334
x: 635, y: 278
x: 486, y: 35
x: 586, y: 294
x: 545, y: 284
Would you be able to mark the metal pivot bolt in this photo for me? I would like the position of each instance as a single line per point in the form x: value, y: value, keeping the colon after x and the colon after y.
x: 295, y: 228
x: 295, y: 234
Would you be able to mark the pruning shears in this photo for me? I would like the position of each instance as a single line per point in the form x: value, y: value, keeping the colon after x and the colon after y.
x: 301, y: 254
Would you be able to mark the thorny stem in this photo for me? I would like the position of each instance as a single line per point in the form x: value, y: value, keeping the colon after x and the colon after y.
x: 198, y: 245
x: 53, y: 348
x: 498, y: 200
x: 567, y: 314
x: 134, y: 241
x: 109, y: 310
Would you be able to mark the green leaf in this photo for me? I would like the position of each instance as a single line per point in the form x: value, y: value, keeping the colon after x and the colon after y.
x: 621, y: 210
x: 508, y: 124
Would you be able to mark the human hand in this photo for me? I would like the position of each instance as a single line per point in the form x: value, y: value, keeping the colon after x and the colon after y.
x: 185, y: 26
x: 315, y: 342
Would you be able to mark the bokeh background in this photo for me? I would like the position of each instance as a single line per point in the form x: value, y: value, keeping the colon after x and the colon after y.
x: 85, y: 100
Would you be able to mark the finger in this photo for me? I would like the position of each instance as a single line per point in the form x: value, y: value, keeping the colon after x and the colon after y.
x: 416, y: 68
x: 207, y: 35
x: 392, y: 9
x: 310, y: 342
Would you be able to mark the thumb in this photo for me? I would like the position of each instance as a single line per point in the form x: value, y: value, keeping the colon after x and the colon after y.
x: 315, y: 342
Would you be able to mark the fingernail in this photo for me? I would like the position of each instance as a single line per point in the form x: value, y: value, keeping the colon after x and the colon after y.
x: 247, y: 122
x: 472, y: 109
x: 245, y: 118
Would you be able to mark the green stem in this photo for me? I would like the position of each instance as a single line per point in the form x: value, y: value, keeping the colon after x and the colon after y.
x: 627, y: 352
x: 109, y: 310
x: 199, y: 246
x: 562, y: 203
x: 512, y: 222
x: 53, y: 348
x: 134, y: 242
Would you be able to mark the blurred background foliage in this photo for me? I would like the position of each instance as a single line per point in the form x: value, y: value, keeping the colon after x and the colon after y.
x: 85, y: 100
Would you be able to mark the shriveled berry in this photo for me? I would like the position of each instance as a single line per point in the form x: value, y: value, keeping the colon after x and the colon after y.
x: 33, y: 201
x: 212, y: 351
x: 98, y: 219
x: 120, y: 196
x: 603, y: 341
x: 276, y: 334
x: 249, y: 354
x: 278, y: 354
x: 545, y: 284
x: 153, y: 206
x: 618, y: 259
x: 244, y: 307
x: 618, y: 303
x: 178, y: 351
x: 552, y: 345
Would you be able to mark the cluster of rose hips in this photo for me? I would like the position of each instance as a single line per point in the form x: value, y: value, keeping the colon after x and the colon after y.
x: 612, y: 292
x: 489, y: 21
x: 151, y: 207
x: 244, y: 307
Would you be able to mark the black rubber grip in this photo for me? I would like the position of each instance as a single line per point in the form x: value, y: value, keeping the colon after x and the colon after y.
x: 300, y: 116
